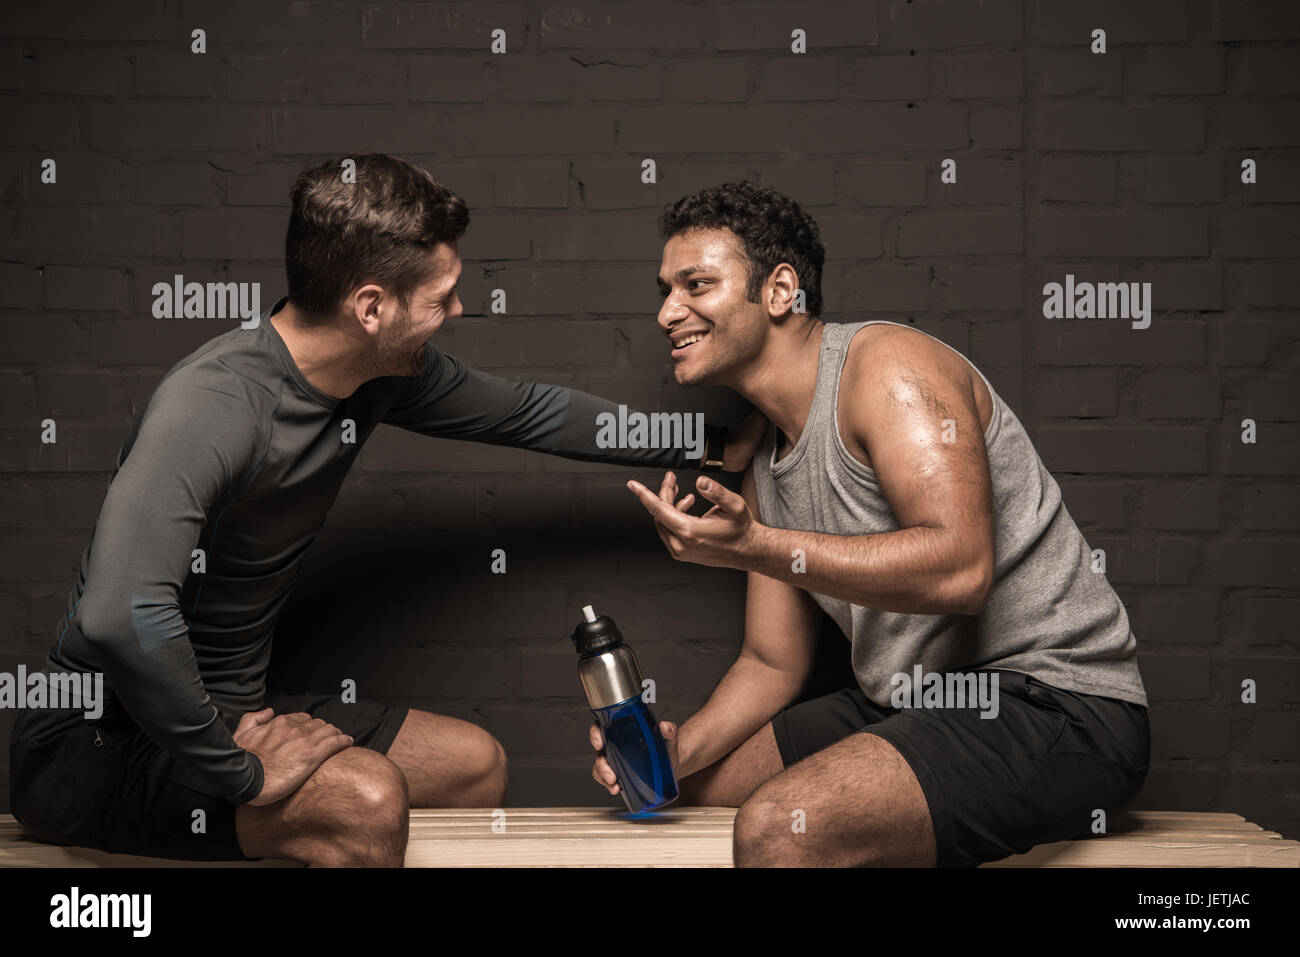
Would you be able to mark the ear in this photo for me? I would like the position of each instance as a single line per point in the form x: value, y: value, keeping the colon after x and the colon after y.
x: 781, y: 289
x: 365, y: 306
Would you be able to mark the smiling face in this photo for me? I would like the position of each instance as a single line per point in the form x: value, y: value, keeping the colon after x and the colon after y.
x: 401, y: 351
x: 713, y: 330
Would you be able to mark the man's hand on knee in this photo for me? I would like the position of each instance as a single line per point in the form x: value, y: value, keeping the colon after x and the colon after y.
x: 290, y: 746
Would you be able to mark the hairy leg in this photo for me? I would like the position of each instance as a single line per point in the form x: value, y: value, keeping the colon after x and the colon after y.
x: 728, y: 782
x: 449, y: 762
x: 352, y: 812
x: 858, y: 802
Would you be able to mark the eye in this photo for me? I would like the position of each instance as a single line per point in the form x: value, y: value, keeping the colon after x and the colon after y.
x: 692, y: 283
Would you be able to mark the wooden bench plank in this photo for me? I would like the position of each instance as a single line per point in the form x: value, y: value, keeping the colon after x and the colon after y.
x: 1213, y: 816
x: 499, y: 851
x: 701, y: 837
x: 1104, y: 852
x: 24, y: 852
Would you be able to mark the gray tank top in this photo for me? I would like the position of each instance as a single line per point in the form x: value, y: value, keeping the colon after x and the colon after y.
x: 1048, y: 614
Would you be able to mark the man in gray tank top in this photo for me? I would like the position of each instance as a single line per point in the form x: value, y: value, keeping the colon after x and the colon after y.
x: 998, y: 695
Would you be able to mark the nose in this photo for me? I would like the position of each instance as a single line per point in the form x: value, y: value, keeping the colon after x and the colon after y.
x: 456, y: 308
x: 671, y: 312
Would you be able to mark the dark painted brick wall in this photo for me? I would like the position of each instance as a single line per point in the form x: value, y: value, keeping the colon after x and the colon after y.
x: 1123, y: 167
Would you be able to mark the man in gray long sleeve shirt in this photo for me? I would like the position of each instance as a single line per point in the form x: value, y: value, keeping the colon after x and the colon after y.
x: 220, y: 488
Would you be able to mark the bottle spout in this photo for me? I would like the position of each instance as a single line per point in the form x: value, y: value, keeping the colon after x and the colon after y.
x: 595, y: 633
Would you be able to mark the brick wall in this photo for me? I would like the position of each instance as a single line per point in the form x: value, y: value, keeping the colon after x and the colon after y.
x: 1123, y: 166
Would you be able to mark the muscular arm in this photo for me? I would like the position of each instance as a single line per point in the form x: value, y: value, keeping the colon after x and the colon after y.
x: 451, y: 400
x: 781, y: 624
x: 912, y: 570
x: 940, y: 559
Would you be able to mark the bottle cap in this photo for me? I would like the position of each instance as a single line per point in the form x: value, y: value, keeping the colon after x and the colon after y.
x: 595, y: 633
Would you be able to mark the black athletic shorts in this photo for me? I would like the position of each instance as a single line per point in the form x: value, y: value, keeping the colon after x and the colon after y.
x: 996, y: 786
x: 105, y: 784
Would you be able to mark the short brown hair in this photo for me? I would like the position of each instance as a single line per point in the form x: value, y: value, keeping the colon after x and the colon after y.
x: 380, y: 229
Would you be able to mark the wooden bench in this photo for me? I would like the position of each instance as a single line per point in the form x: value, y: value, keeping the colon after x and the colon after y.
x: 701, y: 837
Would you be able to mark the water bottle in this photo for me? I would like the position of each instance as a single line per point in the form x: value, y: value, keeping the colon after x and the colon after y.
x: 633, y: 745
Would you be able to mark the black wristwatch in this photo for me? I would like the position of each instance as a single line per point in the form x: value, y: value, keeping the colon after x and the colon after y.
x: 715, y: 446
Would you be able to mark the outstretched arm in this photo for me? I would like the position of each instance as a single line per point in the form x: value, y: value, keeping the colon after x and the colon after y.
x: 451, y: 400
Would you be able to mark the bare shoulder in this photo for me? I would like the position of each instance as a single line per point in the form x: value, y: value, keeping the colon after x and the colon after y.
x: 895, y: 353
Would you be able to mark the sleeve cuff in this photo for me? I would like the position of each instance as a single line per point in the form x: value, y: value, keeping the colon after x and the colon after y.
x: 254, y: 787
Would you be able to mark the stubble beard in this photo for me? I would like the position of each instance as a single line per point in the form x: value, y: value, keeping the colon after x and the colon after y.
x: 397, y: 356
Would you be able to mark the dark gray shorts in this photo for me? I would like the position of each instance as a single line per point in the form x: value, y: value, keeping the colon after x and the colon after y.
x: 105, y: 784
x: 995, y: 786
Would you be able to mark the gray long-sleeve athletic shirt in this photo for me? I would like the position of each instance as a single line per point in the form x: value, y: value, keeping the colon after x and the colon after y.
x: 238, y: 456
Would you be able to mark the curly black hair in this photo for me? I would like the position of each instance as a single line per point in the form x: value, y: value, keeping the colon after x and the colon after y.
x: 772, y: 229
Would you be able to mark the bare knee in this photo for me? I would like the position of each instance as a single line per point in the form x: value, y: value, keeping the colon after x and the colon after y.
x: 764, y: 833
x: 485, y: 772
x: 373, y: 819
x: 777, y: 827
x: 380, y: 788
x: 356, y: 811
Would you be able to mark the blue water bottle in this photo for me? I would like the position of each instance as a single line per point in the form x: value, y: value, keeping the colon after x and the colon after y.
x: 633, y: 745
